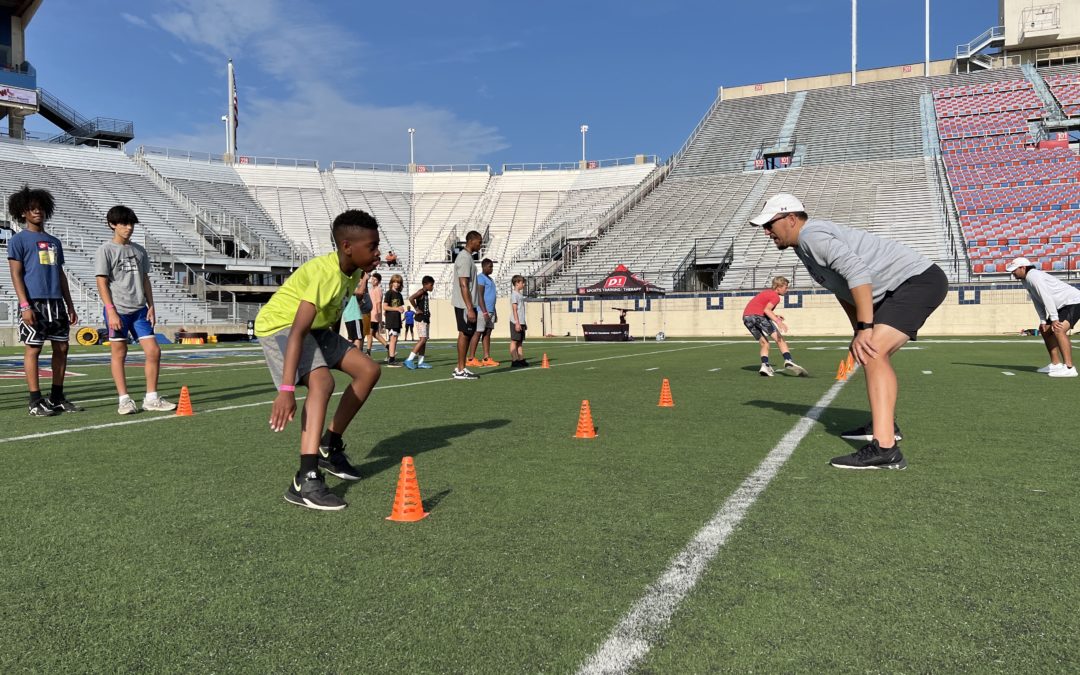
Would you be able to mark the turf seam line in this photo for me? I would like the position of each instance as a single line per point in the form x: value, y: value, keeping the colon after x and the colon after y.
x: 633, y: 637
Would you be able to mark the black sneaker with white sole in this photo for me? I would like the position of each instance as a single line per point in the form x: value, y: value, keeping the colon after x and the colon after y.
x: 310, y: 491
x: 866, y: 433
x: 872, y: 456
x: 62, y: 405
x: 40, y: 408
x: 465, y: 374
x: 334, y: 461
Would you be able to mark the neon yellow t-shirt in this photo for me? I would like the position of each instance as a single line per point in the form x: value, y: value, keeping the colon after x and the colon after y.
x: 319, y: 281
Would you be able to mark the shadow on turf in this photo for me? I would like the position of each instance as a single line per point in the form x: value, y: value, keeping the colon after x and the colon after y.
x: 1024, y: 369
x: 835, y: 420
x: 418, y: 441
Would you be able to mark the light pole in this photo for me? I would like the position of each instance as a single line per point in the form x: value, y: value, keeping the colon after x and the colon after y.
x: 225, y: 119
x: 584, y: 130
x: 412, y: 160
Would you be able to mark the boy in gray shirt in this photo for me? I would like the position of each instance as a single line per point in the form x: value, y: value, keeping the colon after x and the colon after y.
x: 122, y: 268
x: 517, y: 322
x: 887, y: 290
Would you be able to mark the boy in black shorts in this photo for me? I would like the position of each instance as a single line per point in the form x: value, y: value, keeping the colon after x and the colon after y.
x: 420, y: 301
x: 393, y: 308
x: 46, y: 311
x: 887, y: 290
x: 296, y: 332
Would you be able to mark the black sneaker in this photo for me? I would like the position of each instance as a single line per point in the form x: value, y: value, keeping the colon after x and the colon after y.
x: 393, y: 363
x: 517, y: 364
x: 41, y: 408
x: 465, y: 374
x: 63, y: 405
x: 335, y: 462
x: 310, y: 491
x: 866, y: 433
x: 872, y: 456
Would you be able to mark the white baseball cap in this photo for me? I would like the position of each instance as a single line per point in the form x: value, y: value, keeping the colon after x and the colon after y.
x: 777, y: 204
x: 1018, y: 263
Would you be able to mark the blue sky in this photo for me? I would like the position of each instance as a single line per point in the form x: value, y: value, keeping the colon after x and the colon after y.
x: 482, y: 82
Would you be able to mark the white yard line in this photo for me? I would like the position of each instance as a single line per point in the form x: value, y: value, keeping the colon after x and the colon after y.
x: 109, y: 425
x: 1005, y: 372
x: 641, y: 628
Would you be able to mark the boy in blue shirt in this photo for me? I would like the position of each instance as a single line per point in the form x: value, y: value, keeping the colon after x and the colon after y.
x: 485, y: 316
x: 46, y: 311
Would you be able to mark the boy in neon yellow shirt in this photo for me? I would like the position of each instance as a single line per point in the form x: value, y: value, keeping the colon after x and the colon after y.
x: 297, y: 329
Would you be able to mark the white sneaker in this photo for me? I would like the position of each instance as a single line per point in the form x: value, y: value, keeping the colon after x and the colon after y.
x: 1050, y: 367
x: 127, y: 408
x: 765, y: 370
x: 158, y: 404
x: 795, y: 368
x: 1063, y: 372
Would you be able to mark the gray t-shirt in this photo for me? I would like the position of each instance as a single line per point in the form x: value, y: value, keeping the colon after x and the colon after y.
x: 464, y: 266
x: 841, y: 258
x: 516, y: 298
x: 1049, y: 294
x: 124, y: 267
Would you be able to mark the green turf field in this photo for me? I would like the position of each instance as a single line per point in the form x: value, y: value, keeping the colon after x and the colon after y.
x: 162, y: 544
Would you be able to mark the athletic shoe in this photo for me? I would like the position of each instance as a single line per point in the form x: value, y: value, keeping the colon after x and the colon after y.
x: 424, y: 366
x: 411, y: 364
x: 158, y: 404
x: 489, y: 362
x: 795, y: 368
x: 127, y: 408
x: 765, y: 370
x: 872, y: 456
x: 334, y: 461
x: 1050, y: 367
x: 866, y: 433
x: 516, y: 364
x: 1063, y: 372
x: 310, y: 491
x: 524, y: 363
x: 393, y: 363
x: 465, y: 374
x: 474, y: 363
x: 42, y: 409
x: 62, y: 406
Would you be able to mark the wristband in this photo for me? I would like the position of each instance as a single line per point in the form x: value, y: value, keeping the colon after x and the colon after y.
x: 286, y: 387
x: 863, y: 325
x: 110, y: 306
x: 23, y: 308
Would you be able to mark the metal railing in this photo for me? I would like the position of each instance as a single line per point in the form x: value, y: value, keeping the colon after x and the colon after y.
x: 187, y: 155
x: 50, y: 100
x: 575, y: 166
x: 283, y: 162
x: 368, y: 166
x: 95, y: 127
x: 981, y: 40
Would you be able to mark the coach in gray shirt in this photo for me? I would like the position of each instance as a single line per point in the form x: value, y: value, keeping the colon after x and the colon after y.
x: 463, y: 298
x: 887, y: 290
x: 1058, y: 306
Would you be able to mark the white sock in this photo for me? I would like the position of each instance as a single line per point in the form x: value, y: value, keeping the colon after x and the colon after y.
x: 421, y: 359
x: 150, y: 396
x: 124, y: 399
x: 412, y: 355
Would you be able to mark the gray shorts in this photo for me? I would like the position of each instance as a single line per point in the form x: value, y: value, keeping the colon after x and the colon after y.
x: 483, y: 326
x: 421, y: 329
x: 759, y: 325
x: 320, y: 349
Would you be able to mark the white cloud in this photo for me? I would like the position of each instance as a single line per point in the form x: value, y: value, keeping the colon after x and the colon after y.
x: 134, y: 20
x: 308, y: 115
x: 318, y: 123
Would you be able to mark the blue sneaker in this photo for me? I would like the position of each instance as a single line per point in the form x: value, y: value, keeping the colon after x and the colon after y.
x: 411, y: 365
x: 424, y: 366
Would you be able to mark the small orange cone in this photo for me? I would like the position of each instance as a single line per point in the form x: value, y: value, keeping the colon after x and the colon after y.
x: 850, y: 362
x: 544, y: 363
x: 183, y: 408
x: 585, y: 427
x: 408, y: 506
x: 665, y: 395
x: 842, y: 371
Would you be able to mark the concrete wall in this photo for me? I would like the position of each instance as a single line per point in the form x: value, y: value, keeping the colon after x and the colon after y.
x: 836, y: 80
x: 1012, y: 17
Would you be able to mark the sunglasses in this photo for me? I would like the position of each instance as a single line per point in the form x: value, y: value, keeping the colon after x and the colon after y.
x: 769, y: 225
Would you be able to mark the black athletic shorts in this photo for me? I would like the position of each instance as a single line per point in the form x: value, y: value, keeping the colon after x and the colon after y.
x: 908, y: 306
x: 462, y: 325
x: 759, y: 325
x: 517, y: 335
x: 1070, y: 313
x: 50, y: 323
x: 355, y: 329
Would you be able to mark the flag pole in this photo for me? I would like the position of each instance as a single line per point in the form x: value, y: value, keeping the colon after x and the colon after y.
x: 230, y: 149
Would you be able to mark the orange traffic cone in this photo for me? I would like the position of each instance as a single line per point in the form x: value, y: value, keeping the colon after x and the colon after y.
x: 544, y: 363
x: 408, y: 507
x: 585, y: 428
x: 183, y: 408
x: 850, y: 362
x: 665, y: 395
x: 842, y: 371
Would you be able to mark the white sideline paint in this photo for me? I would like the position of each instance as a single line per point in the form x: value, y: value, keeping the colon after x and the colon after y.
x: 109, y: 425
x: 1005, y: 372
x: 927, y: 372
x: 648, y: 369
x: 635, y: 634
x: 713, y: 370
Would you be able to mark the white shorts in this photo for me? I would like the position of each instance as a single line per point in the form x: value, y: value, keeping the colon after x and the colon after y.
x: 421, y: 329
